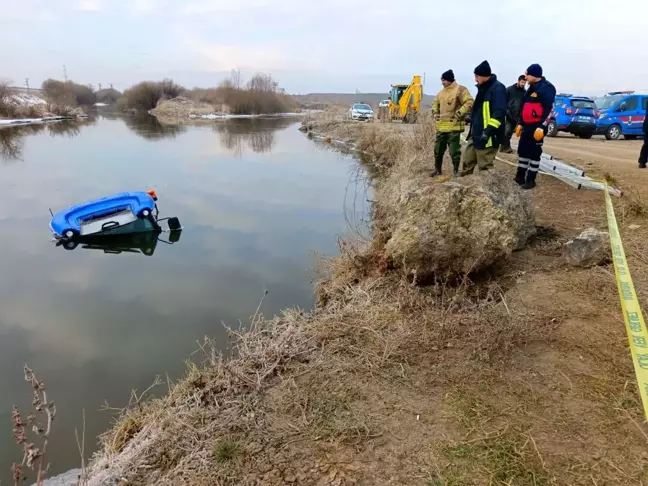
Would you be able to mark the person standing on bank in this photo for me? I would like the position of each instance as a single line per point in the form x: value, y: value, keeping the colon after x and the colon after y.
x: 643, y: 155
x: 487, y: 124
x: 450, y: 108
x: 514, y: 96
x: 538, y: 103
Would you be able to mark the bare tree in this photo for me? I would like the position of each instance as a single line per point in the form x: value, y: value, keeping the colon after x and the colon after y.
x: 261, y: 82
x: 235, y: 77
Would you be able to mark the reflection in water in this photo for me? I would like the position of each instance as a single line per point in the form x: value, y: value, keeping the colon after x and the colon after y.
x: 144, y: 243
x: 11, y: 138
x: 148, y: 127
x: 256, y: 133
x: 356, y: 196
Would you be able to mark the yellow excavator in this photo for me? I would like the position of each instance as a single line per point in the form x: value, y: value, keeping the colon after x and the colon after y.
x: 405, y: 101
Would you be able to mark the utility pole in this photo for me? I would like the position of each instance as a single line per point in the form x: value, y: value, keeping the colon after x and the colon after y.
x: 111, y: 86
x: 99, y: 84
x: 27, y: 84
x: 64, y: 73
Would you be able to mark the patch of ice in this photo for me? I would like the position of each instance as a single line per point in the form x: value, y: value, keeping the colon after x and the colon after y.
x: 101, y: 104
x: 220, y: 116
x: 70, y: 478
x: 27, y: 121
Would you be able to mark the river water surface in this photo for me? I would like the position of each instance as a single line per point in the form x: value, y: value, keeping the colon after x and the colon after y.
x: 256, y: 199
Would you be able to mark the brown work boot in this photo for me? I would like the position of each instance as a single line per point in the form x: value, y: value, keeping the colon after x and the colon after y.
x: 506, y: 150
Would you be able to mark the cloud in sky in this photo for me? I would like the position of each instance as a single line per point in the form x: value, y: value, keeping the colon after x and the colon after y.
x: 589, y: 46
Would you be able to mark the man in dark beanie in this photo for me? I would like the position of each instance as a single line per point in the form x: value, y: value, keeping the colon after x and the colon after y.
x: 514, y: 96
x: 450, y: 108
x: 536, y: 106
x: 487, y: 124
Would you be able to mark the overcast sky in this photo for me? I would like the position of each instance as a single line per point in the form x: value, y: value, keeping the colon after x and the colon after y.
x: 585, y: 46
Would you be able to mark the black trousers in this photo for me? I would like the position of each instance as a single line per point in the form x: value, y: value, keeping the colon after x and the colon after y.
x: 529, y: 150
x: 509, y: 130
x: 643, y: 155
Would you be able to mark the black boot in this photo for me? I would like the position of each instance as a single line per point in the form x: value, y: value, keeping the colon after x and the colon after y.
x: 455, y: 168
x: 530, y: 180
x: 520, y: 176
x: 438, y: 164
x: 642, y: 166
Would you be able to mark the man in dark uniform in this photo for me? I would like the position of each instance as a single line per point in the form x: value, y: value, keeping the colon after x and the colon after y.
x: 537, y: 104
x: 487, y: 123
x: 643, y: 156
x: 515, y: 97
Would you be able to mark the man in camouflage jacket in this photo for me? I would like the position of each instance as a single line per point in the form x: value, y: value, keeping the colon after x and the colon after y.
x: 450, y: 108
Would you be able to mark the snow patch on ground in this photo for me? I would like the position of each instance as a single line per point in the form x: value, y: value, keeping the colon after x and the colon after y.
x: 25, y: 99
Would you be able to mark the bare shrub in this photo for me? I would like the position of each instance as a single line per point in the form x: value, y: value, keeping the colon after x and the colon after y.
x: 263, y: 83
x: 259, y: 97
x: 6, y: 107
x: 108, y: 96
x: 146, y: 95
x: 60, y: 110
x: 29, y: 111
x: 68, y: 93
x: 33, y: 457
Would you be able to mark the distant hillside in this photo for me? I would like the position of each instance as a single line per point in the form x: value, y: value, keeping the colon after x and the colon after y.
x: 312, y: 99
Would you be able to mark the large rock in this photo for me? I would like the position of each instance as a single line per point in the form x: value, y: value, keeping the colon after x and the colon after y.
x: 456, y: 227
x: 590, y: 248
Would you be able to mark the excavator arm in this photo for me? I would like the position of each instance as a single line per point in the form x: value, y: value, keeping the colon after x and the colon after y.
x: 405, y: 101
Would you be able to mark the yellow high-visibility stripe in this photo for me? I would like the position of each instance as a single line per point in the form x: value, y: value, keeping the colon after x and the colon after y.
x: 486, y: 112
x: 494, y: 123
x: 487, y: 121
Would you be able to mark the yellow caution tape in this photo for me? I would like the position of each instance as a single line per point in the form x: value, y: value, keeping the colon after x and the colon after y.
x: 632, y: 315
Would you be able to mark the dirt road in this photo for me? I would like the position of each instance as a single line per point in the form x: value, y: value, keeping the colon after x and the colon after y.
x: 598, y: 156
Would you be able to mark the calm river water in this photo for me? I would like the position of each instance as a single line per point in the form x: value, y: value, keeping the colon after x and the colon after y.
x: 256, y: 199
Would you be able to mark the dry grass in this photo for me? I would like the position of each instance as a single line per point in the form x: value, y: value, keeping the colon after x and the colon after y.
x: 281, y: 387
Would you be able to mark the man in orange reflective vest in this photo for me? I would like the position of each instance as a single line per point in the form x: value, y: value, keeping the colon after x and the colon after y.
x: 538, y: 103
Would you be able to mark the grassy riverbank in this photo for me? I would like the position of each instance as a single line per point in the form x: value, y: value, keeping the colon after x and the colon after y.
x: 517, y: 374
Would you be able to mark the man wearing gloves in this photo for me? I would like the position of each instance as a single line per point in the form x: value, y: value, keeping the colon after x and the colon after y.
x: 487, y: 125
x: 450, y: 108
x: 514, y: 96
x: 537, y: 104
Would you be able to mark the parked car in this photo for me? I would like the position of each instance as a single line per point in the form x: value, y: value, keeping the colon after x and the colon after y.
x: 621, y: 113
x: 361, y: 111
x: 573, y: 114
x: 383, y: 104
